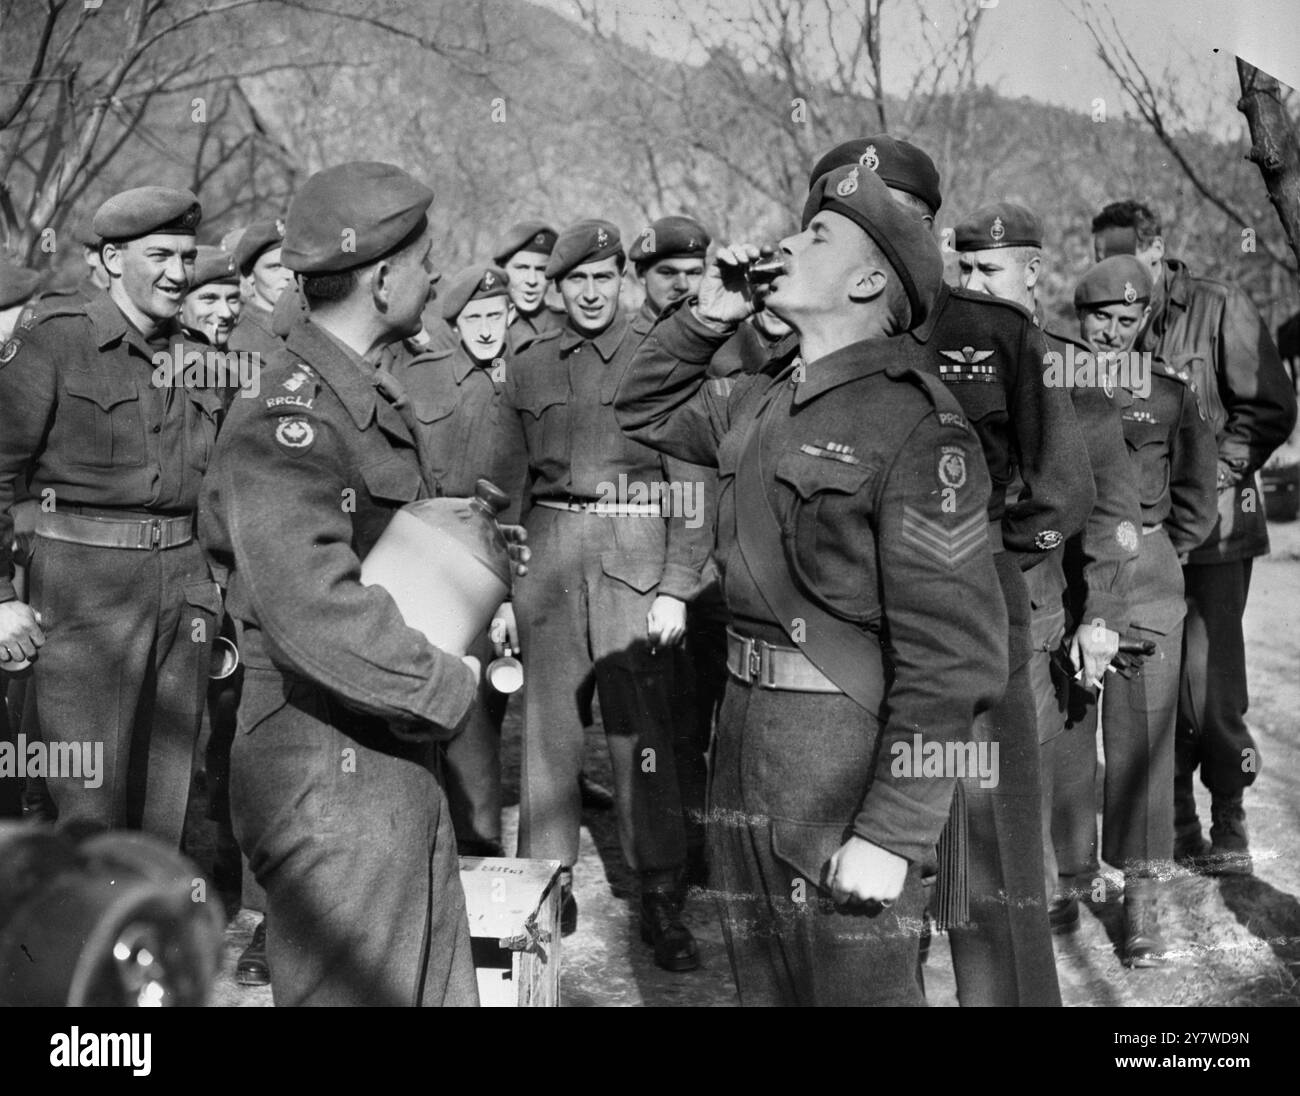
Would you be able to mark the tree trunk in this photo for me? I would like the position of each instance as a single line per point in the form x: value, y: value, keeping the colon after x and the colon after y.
x: 1275, y: 147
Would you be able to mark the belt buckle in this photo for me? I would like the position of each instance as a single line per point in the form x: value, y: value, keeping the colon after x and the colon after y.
x: 155, y: 532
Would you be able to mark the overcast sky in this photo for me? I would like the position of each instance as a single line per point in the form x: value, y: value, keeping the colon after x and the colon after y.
x: 1039, y: 49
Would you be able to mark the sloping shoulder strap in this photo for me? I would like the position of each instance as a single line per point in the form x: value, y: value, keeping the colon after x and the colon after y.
x: 847, y: 655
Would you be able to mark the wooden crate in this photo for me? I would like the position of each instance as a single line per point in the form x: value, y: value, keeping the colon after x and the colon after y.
x: 514, y: 920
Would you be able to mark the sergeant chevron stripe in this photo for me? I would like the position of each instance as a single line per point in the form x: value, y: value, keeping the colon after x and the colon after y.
x: 950, y: 546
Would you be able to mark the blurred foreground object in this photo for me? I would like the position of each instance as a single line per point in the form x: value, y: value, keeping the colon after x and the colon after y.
x: 116, y: 919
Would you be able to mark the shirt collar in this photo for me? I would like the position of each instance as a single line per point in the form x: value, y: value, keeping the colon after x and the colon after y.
x: 111, y: 325
x: 343, y: 369
x: 922, y: 334
x: 849, y: 363
x: 606, y: 343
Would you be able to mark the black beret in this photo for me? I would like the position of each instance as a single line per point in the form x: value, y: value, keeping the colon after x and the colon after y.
x: 900, y: 164
x: 585, y: 242
x: 17, y: 283
x: 668, y: 238
x: 257, y: 238
x: 145, y: 211
x: 1002, y: 225
x: 214, y: 265
x: 861, y: 195
x: 79, y: 229
x: 352, y: 214
x: 1121, y: 279
x: 472, y: 284
x: 525, y: 236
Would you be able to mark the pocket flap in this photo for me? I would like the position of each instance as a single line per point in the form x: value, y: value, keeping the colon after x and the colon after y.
x: 204, y: 595
x: 392, y: 479
x: 809, y: 475
x: 541, y: 394
x: 431, y: 410
x: 642, y: 573
x: 806, y: 847
x: 263, y: 693
x: 99, y: 390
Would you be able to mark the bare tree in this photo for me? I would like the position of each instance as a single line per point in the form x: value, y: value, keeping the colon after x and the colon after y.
x: 1158, y: 107
x: 1276, y: 149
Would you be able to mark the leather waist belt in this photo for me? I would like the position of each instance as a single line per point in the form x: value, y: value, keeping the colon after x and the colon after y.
x: 768, y: 666
x: 995, y: 537
x: 101, y: 532
x: 609, y: 509
x: 1147, y: 530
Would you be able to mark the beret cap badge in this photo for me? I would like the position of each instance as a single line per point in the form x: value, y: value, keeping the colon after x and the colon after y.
x: 602, y: 237
x: 869, y: 159
x: 1130, y: 293
x: 998, y: 230
x: 848, y: 185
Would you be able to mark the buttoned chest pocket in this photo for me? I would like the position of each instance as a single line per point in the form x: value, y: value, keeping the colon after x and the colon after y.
x: 390, y: 483
x: 103, y: 419
x: 204, y: 418
x: 437, y: 425
x: 543, y: 403
x: 826, y: 533
x: 1148, y: 445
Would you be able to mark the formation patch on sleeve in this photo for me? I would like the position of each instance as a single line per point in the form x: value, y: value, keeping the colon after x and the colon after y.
x: 9, y: 349
x: 295, y: 433
x: 951, y: 466
x: 934, y: 538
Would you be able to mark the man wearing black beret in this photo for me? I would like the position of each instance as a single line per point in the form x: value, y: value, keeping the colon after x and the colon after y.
x: 616, y: 564
x: 668, y: 257
x: 990, y: 354
x: 999, y: 248
x: 456, y: 397
x: 334, y: 794
x: 1243, y: 390
x: 1173, y: 452
x: 523, y: 253
x: 123, y: 607
x: 851, y: 509
x: 266, y: 278
x: 211, y: 307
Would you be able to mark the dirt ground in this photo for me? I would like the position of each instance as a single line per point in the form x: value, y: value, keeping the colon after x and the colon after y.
x: 1237, y: 940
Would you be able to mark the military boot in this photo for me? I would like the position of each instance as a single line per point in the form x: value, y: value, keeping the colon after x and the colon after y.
x: 661, y: 927
x: 1189, y: 846
x: 1063, y: 909
x: 1144, y: 946
x: 1229, y: 852
x: 252, y: 969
